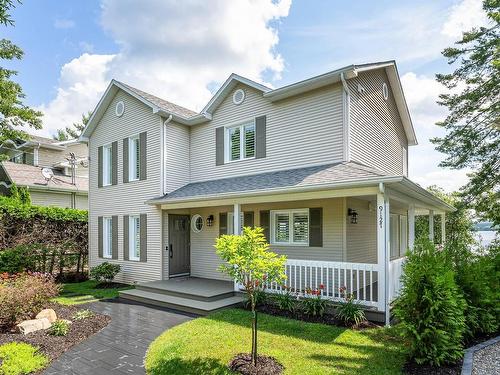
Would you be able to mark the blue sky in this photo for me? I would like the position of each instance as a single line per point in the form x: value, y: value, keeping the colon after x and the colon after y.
x: 182, y: 51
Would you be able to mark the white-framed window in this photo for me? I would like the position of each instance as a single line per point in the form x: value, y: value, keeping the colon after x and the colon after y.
x: 134, y: 158
x: 134, y: 237
x: 240, y: 142
x: 403, y: 238
x: 394, y: 235
x: 230, y: 222
x: 107, y: 237
x: 197, y: 223
x: 290, y: 227
x: 107, y: 164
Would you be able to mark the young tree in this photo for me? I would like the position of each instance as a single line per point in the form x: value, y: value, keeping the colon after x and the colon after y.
x: 472, y: 127
x: 250, y: 262
x: 13, y: 113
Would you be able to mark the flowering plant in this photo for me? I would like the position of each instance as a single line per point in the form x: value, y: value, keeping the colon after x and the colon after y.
x: 349, y: 312
x: 313, y: 304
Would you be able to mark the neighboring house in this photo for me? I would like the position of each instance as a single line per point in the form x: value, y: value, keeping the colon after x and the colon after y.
x: 26, y: 161
x: 321, y: 165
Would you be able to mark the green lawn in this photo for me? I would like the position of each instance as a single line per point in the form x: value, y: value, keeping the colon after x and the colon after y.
x: 76, y: 293
x: 206, y: 345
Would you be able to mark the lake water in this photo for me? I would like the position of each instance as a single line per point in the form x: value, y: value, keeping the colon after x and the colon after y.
x: 485, y: 237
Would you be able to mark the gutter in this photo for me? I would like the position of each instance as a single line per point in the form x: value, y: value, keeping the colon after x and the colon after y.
x: 299, y: 189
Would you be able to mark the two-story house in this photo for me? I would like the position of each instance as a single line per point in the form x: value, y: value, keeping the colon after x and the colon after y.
x: 55, y: 172
x: 321, y: 165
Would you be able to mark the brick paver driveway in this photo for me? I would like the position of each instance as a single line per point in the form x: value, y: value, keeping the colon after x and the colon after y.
x: 120, y: 347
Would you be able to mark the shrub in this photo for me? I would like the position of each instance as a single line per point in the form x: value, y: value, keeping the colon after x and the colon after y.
x: 83, y: 314
x: 349, y: 312
x: 105, y: 272
x: 286, y: 300
x: 22, y: 296
x: 17, y: 260
x: 313, y: 304
x: 59, y: 328
x: 18, y: 358
x: 430, y: 307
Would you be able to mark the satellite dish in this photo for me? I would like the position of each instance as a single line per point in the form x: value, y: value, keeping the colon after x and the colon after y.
x: 47, y: 173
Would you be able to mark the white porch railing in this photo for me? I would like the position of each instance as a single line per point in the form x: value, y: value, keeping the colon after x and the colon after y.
x: 395, y: 272
x: 360, y: 279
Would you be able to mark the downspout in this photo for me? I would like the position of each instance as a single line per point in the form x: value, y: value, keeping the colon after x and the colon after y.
x: 346, y: 107
x: 164, y: 153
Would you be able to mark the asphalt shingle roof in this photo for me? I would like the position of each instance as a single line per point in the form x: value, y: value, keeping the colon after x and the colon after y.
x: 29, y: 175
x: 301, y: 177
x: 163, y: 104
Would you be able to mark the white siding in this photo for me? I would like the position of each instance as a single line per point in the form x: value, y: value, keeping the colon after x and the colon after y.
x: 48, y: 198
x: 128, y: 199
x: 361, y: 237
x: 176, y: 156
x: 301, y: 131
x: 377, y: 135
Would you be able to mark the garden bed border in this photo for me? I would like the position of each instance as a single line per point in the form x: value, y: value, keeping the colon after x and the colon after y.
x: 469, y: 354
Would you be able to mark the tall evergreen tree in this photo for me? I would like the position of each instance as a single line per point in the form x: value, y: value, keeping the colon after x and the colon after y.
x: 472, y: 126
x: 14, y: 114
x: 74, y: 131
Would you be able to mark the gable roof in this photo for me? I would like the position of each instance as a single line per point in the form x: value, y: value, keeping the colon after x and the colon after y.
x: 31, y: 176
x: 188, y: 117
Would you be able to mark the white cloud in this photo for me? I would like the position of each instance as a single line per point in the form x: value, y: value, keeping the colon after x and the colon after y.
x: 463, y: 17
x: 173, y: 50
x: 64, y: 24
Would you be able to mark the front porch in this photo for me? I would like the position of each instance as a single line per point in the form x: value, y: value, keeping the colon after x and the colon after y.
x: 353, y: 237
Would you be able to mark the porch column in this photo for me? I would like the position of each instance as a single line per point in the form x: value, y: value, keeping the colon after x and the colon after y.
x: 443, y: 228
x: 431, y: 225
x: 411, y: 226
x: 236, y: 218
x: 382, y: 251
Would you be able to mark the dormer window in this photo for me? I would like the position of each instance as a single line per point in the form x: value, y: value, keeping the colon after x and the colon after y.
x: 240, y: 141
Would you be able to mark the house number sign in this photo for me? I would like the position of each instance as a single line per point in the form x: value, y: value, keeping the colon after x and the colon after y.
x: 380, y: 219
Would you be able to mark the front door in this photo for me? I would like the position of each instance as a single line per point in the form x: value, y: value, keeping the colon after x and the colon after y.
x: 179, y: 262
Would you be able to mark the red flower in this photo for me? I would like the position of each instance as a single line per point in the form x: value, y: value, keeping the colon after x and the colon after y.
x: 264, y: 277
x: 256, y: 282
x: 321, y: 286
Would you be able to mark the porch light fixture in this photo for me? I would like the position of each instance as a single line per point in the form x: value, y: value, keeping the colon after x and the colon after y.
x: 210, y: 220
x: 353, y: 215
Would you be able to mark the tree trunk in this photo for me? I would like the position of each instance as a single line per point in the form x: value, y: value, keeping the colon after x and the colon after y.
x: 254, y: 332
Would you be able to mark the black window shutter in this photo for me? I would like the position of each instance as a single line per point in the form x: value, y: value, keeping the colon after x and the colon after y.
x: 316, y: 227
x: 222, y: 223
x: 114, y: 238
x: 219, y: 145
x: 125, y: 160
x: 114, y: 158
x: 143, y: 156
x: 99, y: 236
x: 264, y: 223
x: 260, y: 137
x: 248, y: 219
x: 99, y: 166
x: 125, y: 238
x: 143, y: 237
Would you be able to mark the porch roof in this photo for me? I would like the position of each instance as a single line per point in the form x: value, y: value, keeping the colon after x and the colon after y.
x: 336, y: 176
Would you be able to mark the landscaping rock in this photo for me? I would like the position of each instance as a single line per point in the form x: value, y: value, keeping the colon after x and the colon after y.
x: 47, y: 313
x: 33, y: 325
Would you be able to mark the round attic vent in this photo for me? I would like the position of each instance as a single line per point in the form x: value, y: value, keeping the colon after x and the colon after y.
x: 385, y: 91
x: 120, y: 108
x: 238, y: 96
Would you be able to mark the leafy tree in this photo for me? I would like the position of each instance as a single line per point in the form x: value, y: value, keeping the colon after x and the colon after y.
x: 472, y: 127
x: 13, y: 112
x: 250, y: 263
x: 74, y: 131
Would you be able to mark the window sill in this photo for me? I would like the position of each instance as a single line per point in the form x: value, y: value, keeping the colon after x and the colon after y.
x: 239, y: 160
x: 289, y: 244
x: 134, y: 259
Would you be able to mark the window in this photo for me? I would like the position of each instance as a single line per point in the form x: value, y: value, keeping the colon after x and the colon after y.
x: 134, y: 158
x: 107, y: 164
x: 197, y: 223
x: 394, y: 235
x: 134, y: 237
x: 230, y: 223
x: 403, y: 230
x: 107, y: 237
x: 240, y: 142
x: 290, y: 227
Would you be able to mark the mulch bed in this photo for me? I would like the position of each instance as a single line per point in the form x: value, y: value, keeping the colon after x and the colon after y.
x: 411, y: 368
x: 328, y: 319
x: 54, y: 346
x: 242, y: 363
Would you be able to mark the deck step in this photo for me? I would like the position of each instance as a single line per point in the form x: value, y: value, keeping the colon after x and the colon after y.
x: 180, y: 303
x: 207, y: 295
